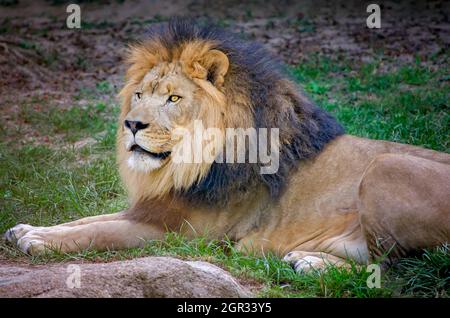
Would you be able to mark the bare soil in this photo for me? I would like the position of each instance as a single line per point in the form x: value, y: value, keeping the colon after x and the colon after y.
x: 39, y: 55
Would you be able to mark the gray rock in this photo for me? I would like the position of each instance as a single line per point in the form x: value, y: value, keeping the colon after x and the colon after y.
x: 142, y: 277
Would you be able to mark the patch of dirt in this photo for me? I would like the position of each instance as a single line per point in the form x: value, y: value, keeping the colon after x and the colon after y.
x: 40, y: 55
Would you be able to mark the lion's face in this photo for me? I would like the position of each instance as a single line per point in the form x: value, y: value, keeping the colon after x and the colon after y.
x: 169, y: 90
x: 165, y: 99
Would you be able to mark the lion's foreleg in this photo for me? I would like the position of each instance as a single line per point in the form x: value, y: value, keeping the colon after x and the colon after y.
x: 16, y: 232
x: 115, y: 233
x: 96, y: 218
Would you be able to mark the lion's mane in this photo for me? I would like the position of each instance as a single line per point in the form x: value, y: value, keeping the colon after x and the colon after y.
x: 259, y: 85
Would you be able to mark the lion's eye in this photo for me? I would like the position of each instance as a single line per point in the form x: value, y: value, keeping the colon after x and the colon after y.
x: 138, y: 95
x: 174, y: 98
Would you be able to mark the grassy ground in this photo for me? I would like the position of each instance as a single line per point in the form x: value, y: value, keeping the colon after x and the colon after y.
x: 66, y: 170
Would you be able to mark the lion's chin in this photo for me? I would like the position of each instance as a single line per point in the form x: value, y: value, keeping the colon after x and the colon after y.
x: 143, y: 163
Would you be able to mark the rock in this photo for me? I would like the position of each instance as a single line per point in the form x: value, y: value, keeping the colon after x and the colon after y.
x: 142, y: 277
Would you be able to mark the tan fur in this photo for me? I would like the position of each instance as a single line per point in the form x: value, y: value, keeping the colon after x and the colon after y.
x: 356, y: 199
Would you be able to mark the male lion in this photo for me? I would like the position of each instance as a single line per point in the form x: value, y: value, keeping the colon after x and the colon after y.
x: 334, y: 196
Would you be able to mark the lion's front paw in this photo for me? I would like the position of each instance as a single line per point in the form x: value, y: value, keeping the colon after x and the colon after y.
x: 15, y: 233
x: 27, y: 238
x: 302, y: 263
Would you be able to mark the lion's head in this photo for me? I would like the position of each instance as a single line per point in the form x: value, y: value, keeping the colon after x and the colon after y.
x: 182, y: 73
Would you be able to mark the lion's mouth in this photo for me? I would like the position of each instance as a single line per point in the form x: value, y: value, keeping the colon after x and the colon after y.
x: 161, y: 155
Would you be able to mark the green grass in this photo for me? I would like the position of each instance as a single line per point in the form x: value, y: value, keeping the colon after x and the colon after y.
x: 409, y: 104
x: 46, y: 185
x: 89, y: 120
x: 427, y: 275
x: 54, y: 182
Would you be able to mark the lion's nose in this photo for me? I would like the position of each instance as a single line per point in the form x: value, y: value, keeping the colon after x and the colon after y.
x: 135, y: 126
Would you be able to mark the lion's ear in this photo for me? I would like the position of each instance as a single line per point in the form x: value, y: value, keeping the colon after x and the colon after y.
x: 216, y: 64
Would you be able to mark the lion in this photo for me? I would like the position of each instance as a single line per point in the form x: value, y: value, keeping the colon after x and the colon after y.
x: 333, y: 198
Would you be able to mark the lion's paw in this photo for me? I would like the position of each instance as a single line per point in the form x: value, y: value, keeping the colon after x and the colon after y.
x: 302, y: 263
x: 29, y: 239
x: 31, y: 243
x: 15, y: 233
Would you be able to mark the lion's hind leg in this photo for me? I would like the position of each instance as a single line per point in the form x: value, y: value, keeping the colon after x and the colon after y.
x: 404, y: 205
